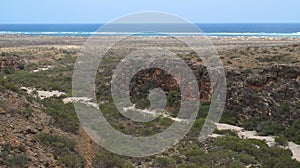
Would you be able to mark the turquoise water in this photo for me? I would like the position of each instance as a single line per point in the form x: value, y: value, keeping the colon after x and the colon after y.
x: 273, y: 30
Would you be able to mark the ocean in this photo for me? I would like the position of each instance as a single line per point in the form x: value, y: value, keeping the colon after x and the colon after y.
x: 269, y: 30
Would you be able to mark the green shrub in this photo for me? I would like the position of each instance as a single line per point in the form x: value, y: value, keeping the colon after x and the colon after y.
x: 249, y: 151
x: 203, y: 111
x: 195, y: 130
x: 172, y: 97
x: 229, y: 83
x: 17, y: 161
x: 236, y: 164
x: 249, y: 125
x: 63, y: 149
x: 8, y: 70
x: 21, y: 66
x: 53, y: 79
x: 281, y: 140
x: 196, y: 156
x: 105, y: 159
x: 190, y: 165
x: 293, y: 133
x: 253, y: 122
x: 239, y: 145
x: 280, y: 162
x: 166, y: 121
x: 283, y: 111
x: 64, y: 114
x: 27, y: 112
x: 145, y: 88
x: 247, y: 71
x: 5, y: 85
x: 13, y: 156
x: 201, y: 72
x: 174, y: 113
x: 270, y: 128
x: 229, y: 118
x: 164, y: 162
x: 247, y: 159
x: 286, y: 162
x: 194, y: 152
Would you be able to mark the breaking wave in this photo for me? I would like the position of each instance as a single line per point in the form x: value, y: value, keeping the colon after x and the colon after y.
x: 297, y: 34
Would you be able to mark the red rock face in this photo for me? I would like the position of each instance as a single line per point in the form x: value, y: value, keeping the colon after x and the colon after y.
x: 154, y: 78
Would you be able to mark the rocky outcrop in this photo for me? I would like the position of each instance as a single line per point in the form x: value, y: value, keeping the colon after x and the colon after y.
x: 12, y: 63
x: 251, y: 92
x: 264, y: 92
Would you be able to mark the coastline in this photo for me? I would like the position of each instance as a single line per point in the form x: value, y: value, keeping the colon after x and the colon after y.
x: 9, y: 40
x: 235, y: 52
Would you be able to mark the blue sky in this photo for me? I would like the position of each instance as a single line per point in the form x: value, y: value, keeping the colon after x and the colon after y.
x: 102, y: 11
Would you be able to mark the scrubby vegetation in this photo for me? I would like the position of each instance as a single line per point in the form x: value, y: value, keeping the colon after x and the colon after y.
x: 13, y: 156
x: 5, y: 85
x: 106, y: 159
x: 293, y: 132
x: 225, y: 151
x: 63, y: 149
x: 63, y: 114
x: 54, y: 79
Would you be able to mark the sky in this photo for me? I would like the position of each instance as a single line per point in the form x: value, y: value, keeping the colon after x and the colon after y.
x: 103, y: 11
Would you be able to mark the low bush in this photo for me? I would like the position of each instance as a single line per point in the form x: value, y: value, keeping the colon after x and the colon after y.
x: 64, y: 114
x: 283, y: 111
x: 105, y: 159
x: 13, y: 156
x: 27, y: 112
x: 270, y: 128
x: 164, y: 162
x: 281, y: 140
x: 17, y: 160
x: 293, y: 133
x: 63, y: 149
x: 5, y: 85
x: 8, y: 70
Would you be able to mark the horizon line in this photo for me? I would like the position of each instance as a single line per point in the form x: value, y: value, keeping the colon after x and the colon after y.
x: 154, y: 23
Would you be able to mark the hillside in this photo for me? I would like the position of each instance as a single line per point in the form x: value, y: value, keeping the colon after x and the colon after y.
x: 39, y: 129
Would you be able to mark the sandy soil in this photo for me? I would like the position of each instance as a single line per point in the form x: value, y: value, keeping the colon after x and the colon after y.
x: 153, y: 113
x: 42, y: 94
x: 45, y: 68
x: 84, y: 100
